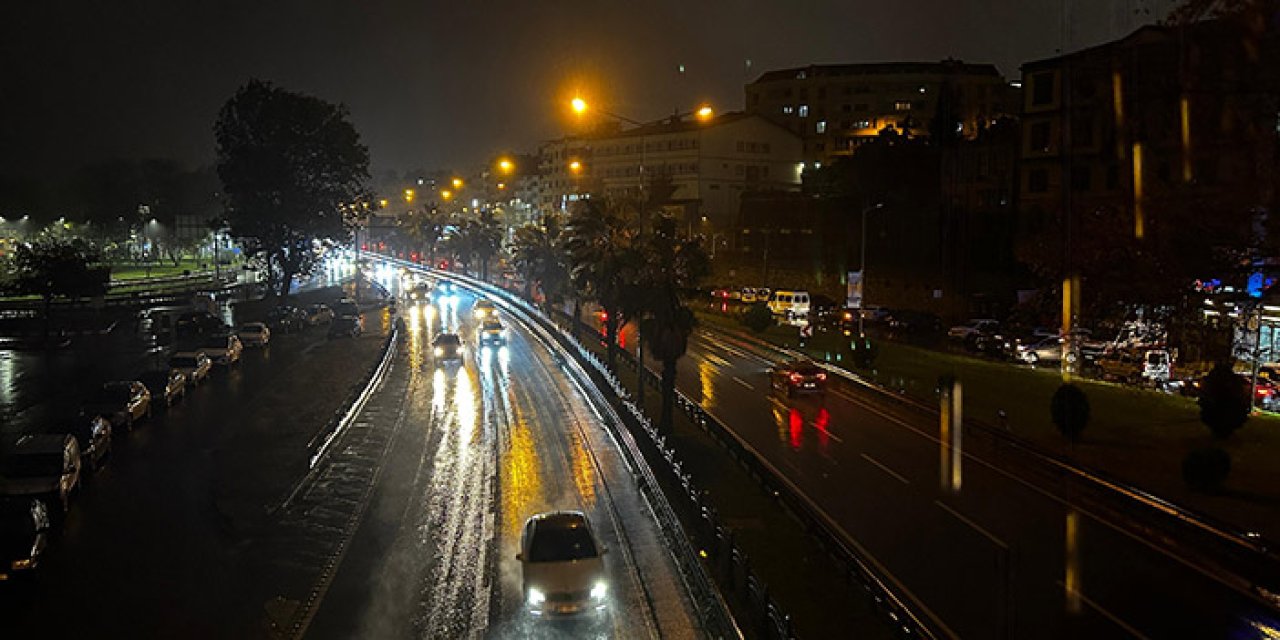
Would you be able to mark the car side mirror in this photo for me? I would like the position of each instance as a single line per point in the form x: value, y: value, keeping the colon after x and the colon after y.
x: 520, y: 557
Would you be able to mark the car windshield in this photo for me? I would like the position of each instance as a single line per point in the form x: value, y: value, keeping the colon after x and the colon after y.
x: 30, y: 465
x: 447, y: 340
x: 561, y: 544
x: 492, y: 326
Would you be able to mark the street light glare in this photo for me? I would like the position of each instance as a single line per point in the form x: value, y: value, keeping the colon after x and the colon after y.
x: 506, y: 165
x: 705, y: 112
x: 446, y: 194
x: 457, y: 183
x: 579, y: 105
x: 575, y: 166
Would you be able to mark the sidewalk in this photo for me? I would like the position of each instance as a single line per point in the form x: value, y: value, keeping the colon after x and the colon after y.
x: 1137, y: 436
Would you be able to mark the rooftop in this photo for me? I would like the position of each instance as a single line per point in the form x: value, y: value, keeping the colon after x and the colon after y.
x: 879, y: 68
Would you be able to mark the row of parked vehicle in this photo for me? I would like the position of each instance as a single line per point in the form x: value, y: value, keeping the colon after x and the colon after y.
x: 40, y: 473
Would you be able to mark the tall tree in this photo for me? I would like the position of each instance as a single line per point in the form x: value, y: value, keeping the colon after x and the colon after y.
x: 601, y: 240
x: 487, y: 237
x: 671, y: 265
x: 538, y: 254
x: 289, y: 163
x: 425, y: 228
x: 53, y: 265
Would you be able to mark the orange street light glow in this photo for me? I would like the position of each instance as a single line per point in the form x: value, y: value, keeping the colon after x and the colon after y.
x: 705, y: 112
x: 457, y: 183
x: 446, y: 194
x: 579, y: 105
x: 575, y: 166
x: 506, y: 165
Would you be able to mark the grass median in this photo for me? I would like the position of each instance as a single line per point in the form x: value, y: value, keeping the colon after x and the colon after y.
x: 1139, y: 436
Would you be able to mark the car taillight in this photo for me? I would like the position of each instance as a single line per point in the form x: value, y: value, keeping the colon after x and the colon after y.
x: 822, y: 376
x: 795, y: 377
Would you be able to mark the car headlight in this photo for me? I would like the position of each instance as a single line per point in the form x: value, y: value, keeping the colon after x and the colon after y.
x: 439, y: 351
x: 536, y: 597
x: 25, y: 563
x: 599, y: 591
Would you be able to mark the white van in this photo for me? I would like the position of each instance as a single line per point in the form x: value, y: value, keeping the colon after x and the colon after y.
x: 789, y: 304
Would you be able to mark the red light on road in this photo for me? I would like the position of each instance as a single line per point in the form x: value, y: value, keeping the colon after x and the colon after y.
x: 797, y: 425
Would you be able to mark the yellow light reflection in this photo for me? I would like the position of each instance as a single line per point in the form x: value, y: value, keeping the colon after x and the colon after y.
x: 1139, y: 224
x: 438, y: 390
x: 707, y: 373
x: 521, y: 483
x: 584, y: 471
x: 1117, y: 107
x: 1185, y: 109
x: 1071, y: 577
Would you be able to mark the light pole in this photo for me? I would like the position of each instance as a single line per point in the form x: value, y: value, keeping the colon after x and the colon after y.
x: 862, y: 268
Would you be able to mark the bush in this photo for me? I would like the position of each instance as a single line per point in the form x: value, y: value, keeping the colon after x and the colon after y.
x: 1069, y: 409
x: 863, y: 352
x: 758, y: 317
x: 1224, y: 401
x: 1206, y: 469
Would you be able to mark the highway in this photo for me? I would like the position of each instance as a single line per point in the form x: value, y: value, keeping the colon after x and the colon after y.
x: 997, y: 557
x: 468, y: 452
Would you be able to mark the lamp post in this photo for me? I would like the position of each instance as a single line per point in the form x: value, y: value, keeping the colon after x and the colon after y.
x: 862, y: 268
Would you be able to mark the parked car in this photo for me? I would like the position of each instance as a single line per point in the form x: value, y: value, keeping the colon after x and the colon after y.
x: 287, y: 319
x: 484, y: 309
x: 224, y: 350
x: 195, y: 365
x: 93, y: 435
x: 446, y: 347
x: 318, y: 314
x: 45, y: 465
x: 562, y: 565
x: 194, y: 324
x: 491, y: 333
x: 971, y: 329
x: 165, y: 385
x: 122, y: 403
x: 798, y: 376
x: 1049, y: 349
x: 346, y: 308
x: 346, y: 327
x: 254, y: 334
x: 25, y: 527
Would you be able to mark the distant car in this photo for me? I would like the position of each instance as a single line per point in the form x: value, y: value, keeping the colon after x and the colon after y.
x: 166, y: 385
x: 969, y: 330
x: 491, y: 332
x: 24, y: 533
x: 122, y: 403
x: 447, y: 346
x: 93, y: 435
x: 484, y: 309
x: 287, y: 319
x: 909, y: 322
x: 789, y: 304
x: 195, y: 365
x: 346, y: 327
x: 562, y: 565
x: 420, y: 291
x: 45, y: 465
x: 318, y: 314
x: 224, y: 350
x: 346, y: 308
x: 1048, y: 349
x: 254, y: 334
x: 798, y: 376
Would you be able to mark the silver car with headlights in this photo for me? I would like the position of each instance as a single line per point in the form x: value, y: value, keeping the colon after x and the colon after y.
x: 562, y: 563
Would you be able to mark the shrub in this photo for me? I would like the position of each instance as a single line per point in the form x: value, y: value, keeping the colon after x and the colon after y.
x: 1069, y: 409
x: 758, y: 317
x: 1224, y: 401
x: 1206, y: 469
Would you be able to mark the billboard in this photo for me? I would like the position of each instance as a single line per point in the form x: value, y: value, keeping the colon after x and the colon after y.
x: 853, y: 298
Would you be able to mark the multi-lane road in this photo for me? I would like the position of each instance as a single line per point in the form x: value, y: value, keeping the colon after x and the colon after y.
x: 987, y: 555
x: 470, y: 450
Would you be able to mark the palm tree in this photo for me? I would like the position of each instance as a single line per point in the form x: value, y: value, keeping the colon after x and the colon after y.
x: 486, y: 231
x: 425, y: 228
x: 671, y: 265
x: 538, y: 254
x: 601, y: 241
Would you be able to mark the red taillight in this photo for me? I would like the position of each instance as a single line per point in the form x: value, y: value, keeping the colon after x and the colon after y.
x: 822, y: 376
x: 1265, y: 391
x: 795, y: 377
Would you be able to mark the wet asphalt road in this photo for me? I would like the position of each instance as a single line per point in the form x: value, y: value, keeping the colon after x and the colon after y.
x: 472, y: 450
x: 999, y: 557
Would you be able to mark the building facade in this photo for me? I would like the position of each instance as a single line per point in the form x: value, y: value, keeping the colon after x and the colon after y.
x: 709, y: 165
x: 834, y: 108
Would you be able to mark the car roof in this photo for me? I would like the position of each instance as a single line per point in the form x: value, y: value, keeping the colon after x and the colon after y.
x: 39, y: 443
x: 559, y: 520
x: 482, y: 302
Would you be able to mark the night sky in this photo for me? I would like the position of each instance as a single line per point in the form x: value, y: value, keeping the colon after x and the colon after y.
x: 449, y: 84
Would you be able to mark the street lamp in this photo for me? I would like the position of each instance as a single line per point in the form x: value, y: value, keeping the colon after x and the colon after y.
x: 408, y: 195
x: 506, y: 166
x: 445, y: 194
x: 457, y: 183
x: 705, y: 113
x: 862, y: 269
x: 575, y: 166
x: 579, y: 105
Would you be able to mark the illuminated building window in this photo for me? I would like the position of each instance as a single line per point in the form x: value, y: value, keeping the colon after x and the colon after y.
x: 804, y: 111
x: 821, y: 126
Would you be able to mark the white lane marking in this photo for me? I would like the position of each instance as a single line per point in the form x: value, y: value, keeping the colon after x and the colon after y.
x: 1106, y: 614
x: 713, y: 358
x: 885, y: 468
x: 972, y: 525
x: 743, y: 383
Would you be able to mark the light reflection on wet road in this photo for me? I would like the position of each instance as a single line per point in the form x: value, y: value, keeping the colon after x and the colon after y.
x: 482, y: 446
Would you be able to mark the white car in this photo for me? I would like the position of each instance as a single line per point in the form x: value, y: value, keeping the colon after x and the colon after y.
x: 254, y: 334
x: 562, y: 564
x: 193, y: 364
x: 224, y: 350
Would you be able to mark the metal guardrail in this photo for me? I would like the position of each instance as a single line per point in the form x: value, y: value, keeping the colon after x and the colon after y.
x: 731, y: 565
x: 1259, y: 568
